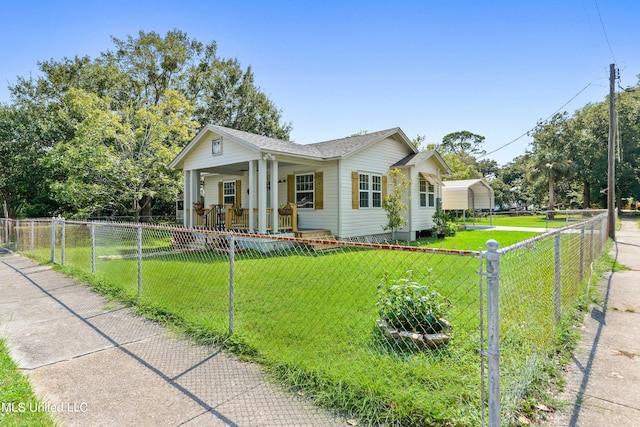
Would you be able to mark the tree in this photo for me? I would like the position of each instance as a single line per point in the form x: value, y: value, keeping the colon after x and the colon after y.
x: 463, y: 143
x: 488, y: 168
x: 551, y: 160
x: 461, y: 168
x: 628, y: 146
x: 589, y: 130
x: 418, y: 140
x: 118, y: 161
x: 514, y: 175
x: 393, y: 204
x: 459, y: 150
x: 146, y: 96
x: 24, y: 139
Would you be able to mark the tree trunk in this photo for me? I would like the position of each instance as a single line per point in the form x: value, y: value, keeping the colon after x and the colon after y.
x: 552, y: 196
x: 136, y: 209
x: 586, y: 195
x: 145, y: 209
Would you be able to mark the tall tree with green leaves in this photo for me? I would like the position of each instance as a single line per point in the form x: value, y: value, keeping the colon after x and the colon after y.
x: 628, y: 145
x: 460, y: 150
x: 551, y: 160
x: 118, y: 161
x: 589, y: 130
x: 462, y: 143
x: 142, y: 102
x: 25, y: 137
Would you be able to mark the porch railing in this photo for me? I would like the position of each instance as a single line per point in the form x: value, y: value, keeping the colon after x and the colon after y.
x: 228, y: 217
x: 238, y: 218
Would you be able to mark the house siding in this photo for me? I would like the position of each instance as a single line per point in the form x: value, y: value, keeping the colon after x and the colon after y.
x: 232, y: 152
x: 422, y: 217
x: 316, y: 219
x: 374, y: 159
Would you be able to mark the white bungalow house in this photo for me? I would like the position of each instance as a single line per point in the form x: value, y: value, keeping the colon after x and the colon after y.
x: 242, y: 178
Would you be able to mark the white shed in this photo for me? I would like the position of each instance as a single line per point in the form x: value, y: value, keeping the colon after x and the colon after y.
x: 467, y: 194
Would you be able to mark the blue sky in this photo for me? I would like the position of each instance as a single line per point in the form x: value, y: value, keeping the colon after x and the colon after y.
x: 338, y: 67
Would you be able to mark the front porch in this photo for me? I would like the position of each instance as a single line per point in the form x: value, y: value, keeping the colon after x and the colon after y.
x: 227, y: 217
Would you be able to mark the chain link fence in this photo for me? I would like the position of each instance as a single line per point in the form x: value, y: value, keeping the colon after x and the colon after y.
x: 386, y: 334
x: 541, y: 281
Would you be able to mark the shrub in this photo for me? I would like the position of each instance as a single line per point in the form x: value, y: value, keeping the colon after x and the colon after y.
x: 444, y: 223
x: 408, y: 305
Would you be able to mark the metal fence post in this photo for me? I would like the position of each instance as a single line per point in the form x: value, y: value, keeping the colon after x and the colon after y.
x: 33, y: 237
x: 93, y: 248
x: 17, y: 247
x: 581, y: 254
x: 232, y: 250
x: 139, y: 238
x: 62, y: 241
x: 493, y: 324
x: 53, y: 240
x: 483, y: 352
x: 558, y: 281
x: 591, y: 256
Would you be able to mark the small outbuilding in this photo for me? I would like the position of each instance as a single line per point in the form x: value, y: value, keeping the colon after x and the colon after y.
x: 467, y: 194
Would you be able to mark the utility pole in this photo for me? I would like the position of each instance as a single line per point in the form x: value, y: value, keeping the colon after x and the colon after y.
x: 611, y: 211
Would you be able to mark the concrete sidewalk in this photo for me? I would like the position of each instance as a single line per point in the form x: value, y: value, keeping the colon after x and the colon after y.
x: 97, y: 364
x: 603, y: 379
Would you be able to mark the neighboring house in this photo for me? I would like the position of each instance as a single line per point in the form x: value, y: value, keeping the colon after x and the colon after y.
x: 335, y: 185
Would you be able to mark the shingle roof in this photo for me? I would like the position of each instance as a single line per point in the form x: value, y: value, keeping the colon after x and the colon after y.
x: 323, y: 150
x: 415, y: 158
x: 335, y: 148
x: 267, y: 143
x: 343, y: 146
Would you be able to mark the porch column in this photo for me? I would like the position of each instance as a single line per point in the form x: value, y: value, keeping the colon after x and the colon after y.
x: 274, y: 195
x: 262, y: 196
x: 252, y: 195
x: 194, y: 190
x: 186, y: 197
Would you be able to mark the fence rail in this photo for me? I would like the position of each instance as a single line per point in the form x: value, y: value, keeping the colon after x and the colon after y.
x: 337, y: 319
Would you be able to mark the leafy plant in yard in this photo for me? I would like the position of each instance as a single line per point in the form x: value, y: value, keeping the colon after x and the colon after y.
x: 393, y: 204
x: 444, y: 223
x: 407, y: 305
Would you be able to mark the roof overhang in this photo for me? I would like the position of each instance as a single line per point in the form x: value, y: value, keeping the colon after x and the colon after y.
x: 431, y: 178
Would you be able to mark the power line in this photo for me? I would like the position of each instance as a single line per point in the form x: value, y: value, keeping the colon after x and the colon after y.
x: 605, y: 31
x: 551, y: 115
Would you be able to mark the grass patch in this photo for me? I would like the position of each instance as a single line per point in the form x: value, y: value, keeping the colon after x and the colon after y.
x: 473, y: 240
x: 535, y: 221
x: 19, y: 404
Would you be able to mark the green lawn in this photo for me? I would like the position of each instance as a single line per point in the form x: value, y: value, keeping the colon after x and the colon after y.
x: 19, y: 405
x: 311, y: 317
x: 474, y: 240
x: 536, y: 221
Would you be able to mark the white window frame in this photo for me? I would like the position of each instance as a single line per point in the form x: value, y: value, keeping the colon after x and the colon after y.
x: 427, y: 193
x: 423, y: 192
x: 369, y: 190
x: 304, y: 187
x: 228, y: 193
x: 216, y: 147
x: 431, y: 194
